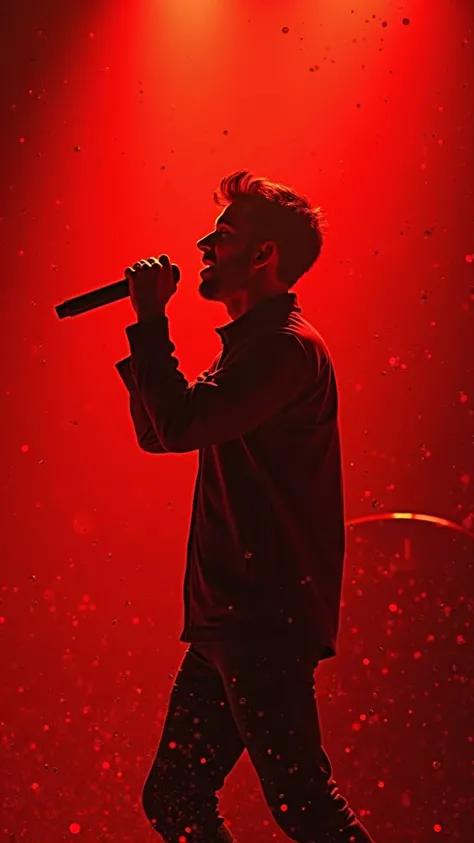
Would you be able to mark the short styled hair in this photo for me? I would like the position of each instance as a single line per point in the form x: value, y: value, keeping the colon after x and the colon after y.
x: 280, y: 214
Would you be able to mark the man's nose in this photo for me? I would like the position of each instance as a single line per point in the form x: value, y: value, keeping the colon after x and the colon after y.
x: 204, y: 244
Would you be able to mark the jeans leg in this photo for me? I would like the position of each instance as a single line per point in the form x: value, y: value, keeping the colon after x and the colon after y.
x: 270, y: 689
x: 198, y: 748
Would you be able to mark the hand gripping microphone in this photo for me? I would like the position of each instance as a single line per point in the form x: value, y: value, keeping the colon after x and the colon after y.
x: 104, y: 295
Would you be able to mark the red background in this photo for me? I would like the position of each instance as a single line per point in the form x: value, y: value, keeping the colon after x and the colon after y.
x: 118, y: 122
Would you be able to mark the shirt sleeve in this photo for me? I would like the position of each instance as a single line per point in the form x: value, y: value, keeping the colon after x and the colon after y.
x: 253, y: 384
x: 146, y: 436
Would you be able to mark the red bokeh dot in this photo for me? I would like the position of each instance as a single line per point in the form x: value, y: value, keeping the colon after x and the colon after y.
x: 74, y: 828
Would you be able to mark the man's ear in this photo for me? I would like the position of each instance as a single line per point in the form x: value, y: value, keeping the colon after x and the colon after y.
x: 265, y: 253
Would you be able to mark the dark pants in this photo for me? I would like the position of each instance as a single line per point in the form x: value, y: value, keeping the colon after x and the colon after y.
x: 255, y: 695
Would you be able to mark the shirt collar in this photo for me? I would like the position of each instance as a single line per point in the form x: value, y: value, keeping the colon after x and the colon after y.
x: 269, y: 313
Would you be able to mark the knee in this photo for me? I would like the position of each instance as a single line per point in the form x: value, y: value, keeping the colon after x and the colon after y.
x: 156, y: 802
x: 167, y: 803
x: 149, y: 801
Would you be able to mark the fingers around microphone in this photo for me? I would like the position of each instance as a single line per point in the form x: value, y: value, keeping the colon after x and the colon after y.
x: 164, y: 260
x: 131, y: 270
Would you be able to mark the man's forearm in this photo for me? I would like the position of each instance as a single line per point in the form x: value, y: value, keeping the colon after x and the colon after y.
x: 146, y: 435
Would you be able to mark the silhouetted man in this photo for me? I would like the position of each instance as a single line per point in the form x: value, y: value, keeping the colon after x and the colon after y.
x: 266, y: 547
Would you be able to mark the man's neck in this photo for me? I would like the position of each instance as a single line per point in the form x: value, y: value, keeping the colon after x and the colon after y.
x: 244, y: 301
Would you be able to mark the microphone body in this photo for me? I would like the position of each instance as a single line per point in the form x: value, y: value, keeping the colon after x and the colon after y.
x: 104, y: 295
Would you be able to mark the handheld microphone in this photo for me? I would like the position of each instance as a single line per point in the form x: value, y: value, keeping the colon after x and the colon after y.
x: 104, y: 295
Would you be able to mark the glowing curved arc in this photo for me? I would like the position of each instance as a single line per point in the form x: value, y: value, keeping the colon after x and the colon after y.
x: 411, y: 516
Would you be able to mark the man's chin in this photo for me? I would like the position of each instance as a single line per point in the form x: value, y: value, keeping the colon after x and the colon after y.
x: 208, y: 291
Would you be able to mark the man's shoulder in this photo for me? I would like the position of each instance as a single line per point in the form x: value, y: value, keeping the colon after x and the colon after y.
x: 309, y: 337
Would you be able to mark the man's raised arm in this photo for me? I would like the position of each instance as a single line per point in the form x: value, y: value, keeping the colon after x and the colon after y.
x: 146, y: 436
x: 265, y: 375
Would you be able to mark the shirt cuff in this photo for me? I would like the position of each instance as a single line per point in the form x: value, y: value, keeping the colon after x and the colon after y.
x: 124, y: 369
x: 150, y: 330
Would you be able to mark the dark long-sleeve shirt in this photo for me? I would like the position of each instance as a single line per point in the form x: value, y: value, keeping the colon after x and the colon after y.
x: 267, y: 538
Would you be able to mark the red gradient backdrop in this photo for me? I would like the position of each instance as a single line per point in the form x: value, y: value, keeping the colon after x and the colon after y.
x: 118, y: 121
